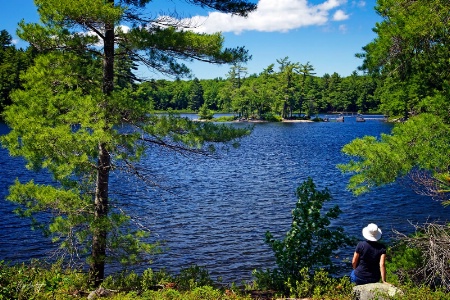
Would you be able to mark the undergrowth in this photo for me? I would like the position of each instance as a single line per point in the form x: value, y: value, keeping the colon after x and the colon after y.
x: 36, y: 280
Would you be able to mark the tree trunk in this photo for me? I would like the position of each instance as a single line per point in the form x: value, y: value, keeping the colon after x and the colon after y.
x: 98, y: 255
x: 97, y: 267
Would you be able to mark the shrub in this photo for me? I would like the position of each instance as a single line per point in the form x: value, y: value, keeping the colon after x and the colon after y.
x: 310, y: 243
x: 151, y: 279
x: 205, y: 113
x: 320, y: 285
x: 34, y: 281
x: 422, y: 258
x: 225, y: 119
x: 193, y: 277
x: 270, y: 117
x: 403, y: 263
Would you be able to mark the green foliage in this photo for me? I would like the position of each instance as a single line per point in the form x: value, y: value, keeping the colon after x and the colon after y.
x: 317, y: 284
x: 124, y: 281
x: 320, y: 285
x: 199, y: 293
x: 196, y: 101
x: 59, y: 130
x: 78, y: 98
x: 150, y: 278
x: 422, y: 258
x: 421, y: 143
x: 34, y: 281
x: 410, y: 57
x: 262, y: 96
x: 410, y: 53
x: 130, y: 281
x: 310, y: 243
x: 12, y: 62
x: 225, y: 119
x: 38, y: 281
x: 421, y: 292
x: 404, y: 262
x: 270, y: 117
x: 193, y: 277
x: 205, y: 113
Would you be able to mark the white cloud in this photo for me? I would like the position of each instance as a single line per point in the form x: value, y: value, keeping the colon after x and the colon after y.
x: 343, y: 28
x: 14, y: 41
x: 340, y: 15
x: 330, y: 4
x: 360, y: 3
x: 271, y: 15
x: 123, y: 28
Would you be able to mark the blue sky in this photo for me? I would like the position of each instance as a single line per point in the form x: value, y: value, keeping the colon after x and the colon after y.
x: 325, y: 33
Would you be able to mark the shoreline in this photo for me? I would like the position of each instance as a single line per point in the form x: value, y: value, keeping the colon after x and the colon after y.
x: 258, y: 121
x: 264, y: 121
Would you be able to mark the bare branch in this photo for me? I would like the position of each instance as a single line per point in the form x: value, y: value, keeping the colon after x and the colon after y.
x: 427, y: 185
x: 433, y: 242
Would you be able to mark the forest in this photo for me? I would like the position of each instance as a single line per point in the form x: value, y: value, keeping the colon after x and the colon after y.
x: 284, y: 88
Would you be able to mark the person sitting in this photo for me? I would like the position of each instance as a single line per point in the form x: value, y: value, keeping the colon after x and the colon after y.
x: 369, y: 258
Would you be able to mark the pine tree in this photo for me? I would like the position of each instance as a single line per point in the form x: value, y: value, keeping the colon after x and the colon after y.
x: 67, y: 118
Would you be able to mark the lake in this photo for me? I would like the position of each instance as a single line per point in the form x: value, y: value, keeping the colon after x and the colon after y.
x: 215, y: 212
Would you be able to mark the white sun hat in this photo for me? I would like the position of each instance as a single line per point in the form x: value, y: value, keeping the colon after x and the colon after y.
x: 371, y: 232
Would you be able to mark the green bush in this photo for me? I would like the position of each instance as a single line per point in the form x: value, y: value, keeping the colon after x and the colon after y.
x: 199, y: 293
x: 423, y: 257
x: 320, y: 285
x: 150, y: 279
x: 310, y: 243
x: 403, y: 263
x: 420, y: 292
x: 35, y: 281
x: 123, y: 281
x: 168, y: 294
x: 205, y: 113
x: 193, y: 277
x: 224, y: 119
x: 270, y: 117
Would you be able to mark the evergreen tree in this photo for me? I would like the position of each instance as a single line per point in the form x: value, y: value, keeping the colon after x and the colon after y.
x: 67, y: 118
x: 310, y: 242
x: 12, y: 62
x: 287, y: 80
x: 410, y: 55
x: 195, y: 95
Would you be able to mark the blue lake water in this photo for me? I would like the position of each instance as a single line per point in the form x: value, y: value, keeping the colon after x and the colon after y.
x: 214, y: 212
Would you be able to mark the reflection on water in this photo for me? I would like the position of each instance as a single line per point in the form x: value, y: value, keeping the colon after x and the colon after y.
x: 216, y: 211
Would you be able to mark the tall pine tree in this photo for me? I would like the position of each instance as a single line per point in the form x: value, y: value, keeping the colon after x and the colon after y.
x: 67, y: 117
x: 410, y: 54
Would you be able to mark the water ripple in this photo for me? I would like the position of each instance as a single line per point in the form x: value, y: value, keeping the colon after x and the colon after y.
x: 218, y: 210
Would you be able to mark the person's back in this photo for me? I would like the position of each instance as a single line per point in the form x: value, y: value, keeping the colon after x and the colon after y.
x: 369, y: 258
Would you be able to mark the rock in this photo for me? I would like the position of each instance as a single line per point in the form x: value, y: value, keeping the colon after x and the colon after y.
x: 372, y: 291
x: 100, y: 292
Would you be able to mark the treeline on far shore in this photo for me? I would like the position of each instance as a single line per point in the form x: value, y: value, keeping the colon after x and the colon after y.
x: 280, y: 89
x: 283, y: 90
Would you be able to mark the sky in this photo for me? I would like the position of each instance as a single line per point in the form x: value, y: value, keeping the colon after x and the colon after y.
x: 325, y: 33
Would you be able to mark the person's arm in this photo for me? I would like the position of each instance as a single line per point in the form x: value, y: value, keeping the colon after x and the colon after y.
x: 383, y: 268
x: 355, y: 260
